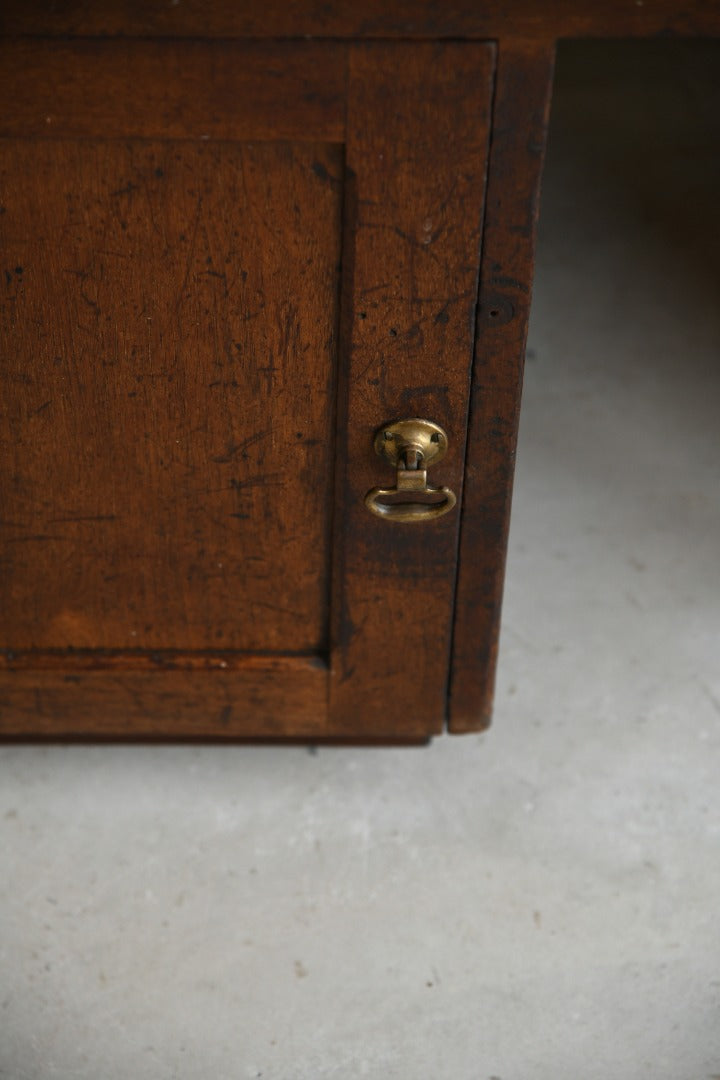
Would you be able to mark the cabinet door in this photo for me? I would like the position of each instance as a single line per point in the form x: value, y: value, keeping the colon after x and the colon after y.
x: 226, y: 266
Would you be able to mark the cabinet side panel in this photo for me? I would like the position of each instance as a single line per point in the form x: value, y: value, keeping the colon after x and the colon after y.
x: 520, y: 116
x: 417, y: 127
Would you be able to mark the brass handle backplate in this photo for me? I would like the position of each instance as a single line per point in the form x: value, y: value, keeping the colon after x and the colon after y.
x: 411, y: 446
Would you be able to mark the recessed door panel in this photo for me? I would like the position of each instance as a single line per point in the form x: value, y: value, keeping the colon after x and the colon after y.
x: 167, y: 388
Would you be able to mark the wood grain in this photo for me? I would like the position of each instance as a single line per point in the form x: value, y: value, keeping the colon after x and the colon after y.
x: 413, y: 19
x: 169, y: 315
x: 220, y: 696
x: 416, y: 151
x: 172, y: 90
x: 520, y: 117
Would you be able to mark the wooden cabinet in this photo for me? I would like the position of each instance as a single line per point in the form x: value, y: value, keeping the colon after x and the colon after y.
x: 228, y: 264
x: 231, y: 255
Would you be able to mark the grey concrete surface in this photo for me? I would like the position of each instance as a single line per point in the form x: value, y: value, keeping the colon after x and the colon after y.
x: 542, y: 901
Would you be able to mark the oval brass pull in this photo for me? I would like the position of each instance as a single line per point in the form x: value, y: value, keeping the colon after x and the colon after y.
x: 411, y: 446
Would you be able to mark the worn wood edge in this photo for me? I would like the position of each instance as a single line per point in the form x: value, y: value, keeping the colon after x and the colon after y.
x: 371, y: 19
x: 152, y: 89
x: 126, y: 696
x: 516, y: 151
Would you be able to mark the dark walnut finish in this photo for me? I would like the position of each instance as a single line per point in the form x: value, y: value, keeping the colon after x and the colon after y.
x: 169, y: 369
x: 220, y: 283
x: 230, y: 254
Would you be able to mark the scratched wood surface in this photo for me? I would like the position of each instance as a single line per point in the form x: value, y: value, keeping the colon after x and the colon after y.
x: 167, y: 387
x: 365, y: 18
x: 520, y: 118
x: 172, y: 89
x: 174, y: 396
x: 417, y: 131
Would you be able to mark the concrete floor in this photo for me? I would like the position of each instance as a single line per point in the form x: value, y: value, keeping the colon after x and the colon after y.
x: 539, y: 902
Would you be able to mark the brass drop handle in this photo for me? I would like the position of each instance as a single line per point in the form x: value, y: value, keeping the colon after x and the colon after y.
x: 411, y: 446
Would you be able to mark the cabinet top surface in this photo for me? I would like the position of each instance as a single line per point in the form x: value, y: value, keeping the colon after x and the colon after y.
x: 363, y: 18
